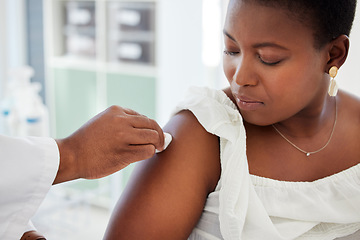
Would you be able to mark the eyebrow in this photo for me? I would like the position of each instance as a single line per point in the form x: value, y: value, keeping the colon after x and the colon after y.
x: 228, y: 35
x: 258, y: 45
x: 269, y: 44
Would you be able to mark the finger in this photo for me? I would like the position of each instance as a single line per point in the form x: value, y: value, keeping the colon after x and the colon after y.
x: 118, y: 110
x: 131, y: 112
x: 168, y: 140
x: 160, y: 145
x: 141, y: 152
x: 141, y: 136
x: 140, y: 122
x: 115, y: 109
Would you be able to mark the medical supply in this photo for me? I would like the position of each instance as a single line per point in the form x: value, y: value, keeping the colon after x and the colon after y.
x: 22, y: 110
x: 34, y: 119
x: 167, y: 141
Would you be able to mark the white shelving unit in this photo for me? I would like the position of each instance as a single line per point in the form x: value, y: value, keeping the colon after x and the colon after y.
x: 100, y: 40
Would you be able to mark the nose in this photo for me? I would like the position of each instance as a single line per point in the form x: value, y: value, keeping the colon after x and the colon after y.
x: 244, y: 74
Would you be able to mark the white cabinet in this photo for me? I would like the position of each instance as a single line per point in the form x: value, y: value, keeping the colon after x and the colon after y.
x: 99, y: 53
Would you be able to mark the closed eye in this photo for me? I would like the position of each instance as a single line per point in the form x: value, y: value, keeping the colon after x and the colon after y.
x: 269, y: 63
x: 230, y: 53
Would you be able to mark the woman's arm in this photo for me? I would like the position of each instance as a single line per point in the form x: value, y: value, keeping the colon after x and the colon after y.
x: 166, y: 194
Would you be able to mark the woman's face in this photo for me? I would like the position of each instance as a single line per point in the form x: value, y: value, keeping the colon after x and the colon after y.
x: 270, y: 61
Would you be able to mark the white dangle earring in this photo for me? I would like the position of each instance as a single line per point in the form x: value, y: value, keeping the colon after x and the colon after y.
x: 333, y: 88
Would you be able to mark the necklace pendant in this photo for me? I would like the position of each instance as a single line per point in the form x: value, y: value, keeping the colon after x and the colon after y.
x: 308, y: 154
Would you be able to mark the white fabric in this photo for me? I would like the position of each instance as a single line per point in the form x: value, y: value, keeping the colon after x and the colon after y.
x: 250, y: 207
x: 30, y: 227
x: 28, y: 167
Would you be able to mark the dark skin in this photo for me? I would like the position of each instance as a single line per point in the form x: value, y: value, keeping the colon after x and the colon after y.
x: 107, y: 143
x: 283, y: 83
x: 298, y: 104
x: 166, y: 194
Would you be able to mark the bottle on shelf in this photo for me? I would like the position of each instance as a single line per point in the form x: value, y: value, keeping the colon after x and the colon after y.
x: 22, y: 110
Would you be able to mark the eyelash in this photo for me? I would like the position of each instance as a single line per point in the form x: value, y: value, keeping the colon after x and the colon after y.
x: 229, y: 53
x: 226, y: 52
x: 267, y: 63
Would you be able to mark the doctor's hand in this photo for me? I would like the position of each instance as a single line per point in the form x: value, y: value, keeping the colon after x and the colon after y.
x: 107, y: 143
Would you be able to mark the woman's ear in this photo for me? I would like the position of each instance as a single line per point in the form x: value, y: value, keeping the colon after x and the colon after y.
x: 338, y: 51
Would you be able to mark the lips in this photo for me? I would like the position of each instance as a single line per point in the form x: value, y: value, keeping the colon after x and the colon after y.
x: 248, y: 104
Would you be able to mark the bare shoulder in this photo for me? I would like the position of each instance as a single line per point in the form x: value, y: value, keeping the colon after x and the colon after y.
x: 349, y: 127
x: 350, y: 105
x: 166, y: 194
x: 194, y: 145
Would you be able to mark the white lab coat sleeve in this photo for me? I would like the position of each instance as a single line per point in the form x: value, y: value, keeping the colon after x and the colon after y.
x: 28, y: 167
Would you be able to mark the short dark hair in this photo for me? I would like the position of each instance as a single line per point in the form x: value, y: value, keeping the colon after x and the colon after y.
x: 328, y: 18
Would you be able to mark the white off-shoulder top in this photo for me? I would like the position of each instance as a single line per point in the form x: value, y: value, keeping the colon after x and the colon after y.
x: 244, y: 206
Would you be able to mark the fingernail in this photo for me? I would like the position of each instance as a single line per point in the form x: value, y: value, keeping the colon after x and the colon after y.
x: 167, y: 141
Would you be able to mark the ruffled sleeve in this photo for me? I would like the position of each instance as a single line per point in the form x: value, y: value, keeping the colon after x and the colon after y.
x: 241, y: 213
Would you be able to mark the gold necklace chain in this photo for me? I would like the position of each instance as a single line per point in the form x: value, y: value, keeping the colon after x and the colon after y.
x: 323, y: 147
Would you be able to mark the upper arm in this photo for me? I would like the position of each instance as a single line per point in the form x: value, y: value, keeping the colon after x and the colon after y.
x: 166, y: 194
